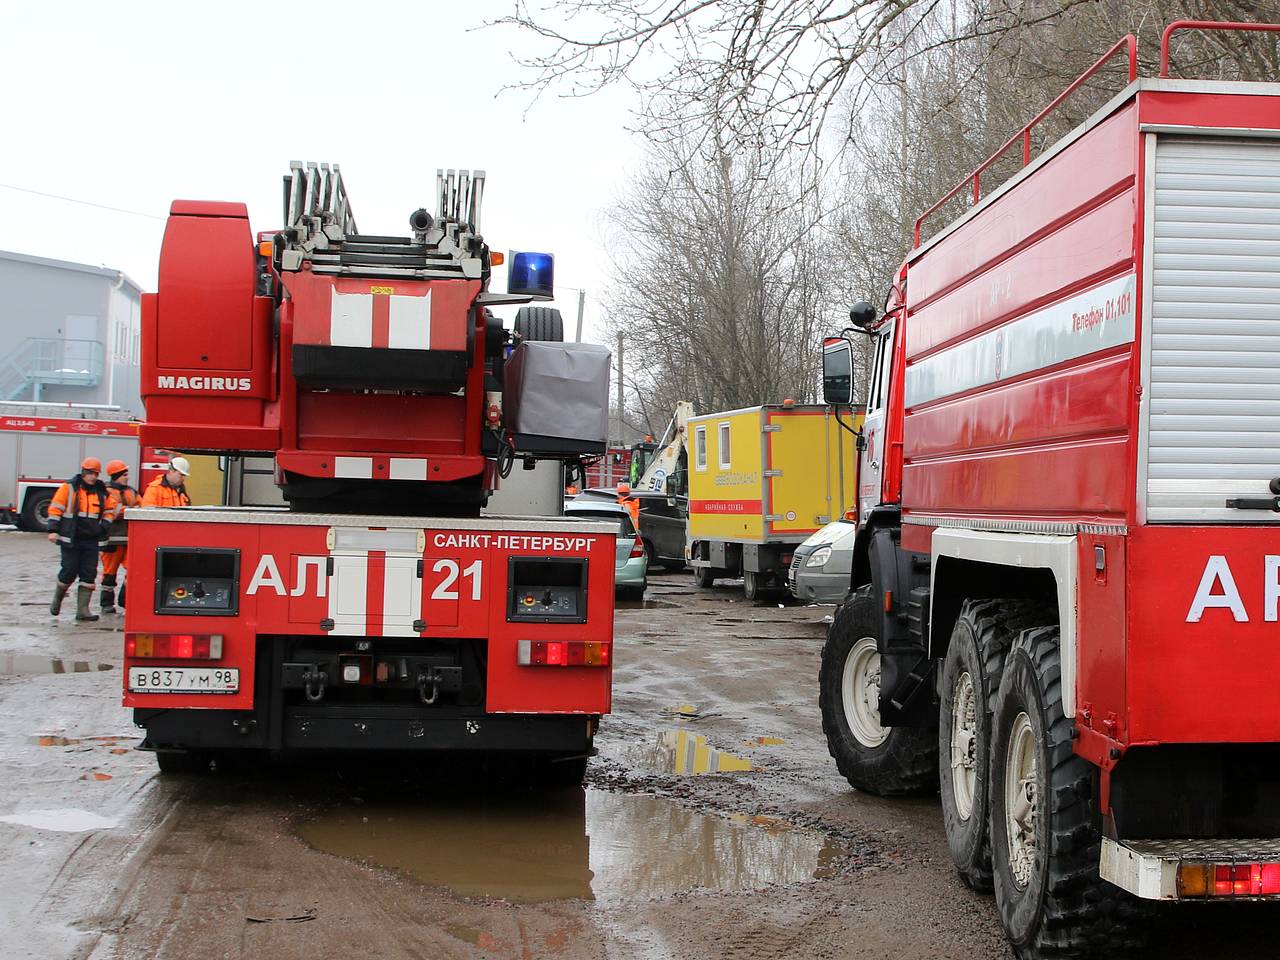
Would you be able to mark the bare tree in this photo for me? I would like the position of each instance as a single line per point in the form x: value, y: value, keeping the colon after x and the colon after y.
x: 765, y: 71
x: 720, y: 284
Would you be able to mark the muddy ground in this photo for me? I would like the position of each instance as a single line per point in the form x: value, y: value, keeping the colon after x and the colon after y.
x: 768, y: 854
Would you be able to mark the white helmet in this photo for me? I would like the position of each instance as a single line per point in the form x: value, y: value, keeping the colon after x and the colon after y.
x: 181, y: 465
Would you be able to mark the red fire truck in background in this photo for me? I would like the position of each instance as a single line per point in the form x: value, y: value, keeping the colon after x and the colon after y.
x: 42, y: 444
x: 1067, y: 575
x: 378, y: 610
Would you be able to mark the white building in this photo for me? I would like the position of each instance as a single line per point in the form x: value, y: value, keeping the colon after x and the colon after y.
x: 69, y: 333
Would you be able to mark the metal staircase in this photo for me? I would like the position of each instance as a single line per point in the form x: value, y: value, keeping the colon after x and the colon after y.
x: 44, y: 361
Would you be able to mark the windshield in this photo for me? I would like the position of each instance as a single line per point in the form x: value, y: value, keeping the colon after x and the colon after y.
x: 623, y: 520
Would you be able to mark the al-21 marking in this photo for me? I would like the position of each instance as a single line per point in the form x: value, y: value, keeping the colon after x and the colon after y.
x: 268, y: 576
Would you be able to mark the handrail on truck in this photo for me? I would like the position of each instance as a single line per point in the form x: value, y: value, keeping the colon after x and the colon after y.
x: 1130, y: 42
x: 1204, y: 25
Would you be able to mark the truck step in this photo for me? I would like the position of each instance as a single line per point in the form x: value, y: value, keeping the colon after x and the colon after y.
x: 1230, y: 869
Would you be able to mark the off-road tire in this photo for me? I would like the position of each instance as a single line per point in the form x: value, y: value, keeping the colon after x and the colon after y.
x: 35, y: 513
x: 907, y: 761
x: 182, y: 761
x: 540, y: 323
x: 559, y: 773
x: 1064, y: 910
x: 980, y: 641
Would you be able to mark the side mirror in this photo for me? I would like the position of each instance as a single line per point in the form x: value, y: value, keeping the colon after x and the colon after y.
x: 837, y: 372
x: 862, y: 314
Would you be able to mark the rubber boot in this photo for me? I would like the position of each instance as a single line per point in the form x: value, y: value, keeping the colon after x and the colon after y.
x: 108, y: 599
x: 83, y: 598
x: 120, y: 599
x: 59, y: 593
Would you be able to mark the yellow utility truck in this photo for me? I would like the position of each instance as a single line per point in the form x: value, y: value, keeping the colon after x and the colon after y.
x: 761, y: 480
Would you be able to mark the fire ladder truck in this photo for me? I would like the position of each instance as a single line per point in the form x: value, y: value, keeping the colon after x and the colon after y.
x: 1067, y: 573
x: 378, y: 611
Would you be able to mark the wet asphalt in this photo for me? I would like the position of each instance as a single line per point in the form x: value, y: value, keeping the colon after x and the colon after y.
x: 713, y: 823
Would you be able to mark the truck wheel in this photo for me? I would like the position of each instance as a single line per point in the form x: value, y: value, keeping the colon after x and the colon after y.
x: 1045, y: 841
x: 704, y: 576
x: 751, y: 587
x: 970, y: 679
x: 35, y: 512
x: 555, y: 772
x: 889, y: 761
x: 539, y: 323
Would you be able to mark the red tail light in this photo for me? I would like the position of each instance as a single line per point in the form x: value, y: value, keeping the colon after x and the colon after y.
x: 637, y: 548
x: 173, y: 646
x: 563, y: 653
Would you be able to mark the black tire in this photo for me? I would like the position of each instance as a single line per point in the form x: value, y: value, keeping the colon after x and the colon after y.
x: 979, y: 643
x: 35, y: 512
x: 1055, y: 904
x: 540, y: 323
x: 182, y: 761
x: 704, y: 577
x: 905, y: 761
x: 556, y: 772
x: 752, y: 587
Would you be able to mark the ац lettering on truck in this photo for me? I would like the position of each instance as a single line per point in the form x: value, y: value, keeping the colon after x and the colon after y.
x: 378, y: 611
x: 1068, y: 570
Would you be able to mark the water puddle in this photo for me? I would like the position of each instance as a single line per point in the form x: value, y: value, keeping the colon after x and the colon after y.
x: 683, y: 752
x: 581, y: 845
x: 61, y: 821
x: 24, y: 664
x: 645, y: 605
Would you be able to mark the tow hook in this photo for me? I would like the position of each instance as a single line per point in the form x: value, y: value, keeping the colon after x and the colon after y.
x: 424, y: 681
x: 313, y: 685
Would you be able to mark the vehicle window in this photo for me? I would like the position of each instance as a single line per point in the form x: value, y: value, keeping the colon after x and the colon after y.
x: 724, y: 452
x: 623, y: 520
x: 700, y: 447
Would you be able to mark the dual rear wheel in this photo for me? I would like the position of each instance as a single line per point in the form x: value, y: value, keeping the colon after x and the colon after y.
x: 1017, y: 802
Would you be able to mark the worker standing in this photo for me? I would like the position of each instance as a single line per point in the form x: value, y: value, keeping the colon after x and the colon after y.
x: 169, y: 490
x: 115, y: 552
x: 79, y: 517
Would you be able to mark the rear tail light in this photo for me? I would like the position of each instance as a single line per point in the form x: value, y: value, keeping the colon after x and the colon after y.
x: 563, y: 653
x: 173, y: 646
x: 637, y: 549
x: 1197, y: 880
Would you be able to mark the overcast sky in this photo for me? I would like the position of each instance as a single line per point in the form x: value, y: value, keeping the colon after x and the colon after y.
x: 133, y: 105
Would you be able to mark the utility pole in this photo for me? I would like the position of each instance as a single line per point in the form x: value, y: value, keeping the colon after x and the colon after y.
x: 618, y: 367
x: 582, y: 301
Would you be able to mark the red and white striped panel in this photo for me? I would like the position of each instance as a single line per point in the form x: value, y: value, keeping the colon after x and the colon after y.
x: 380, y: 320
x: 376, y: 593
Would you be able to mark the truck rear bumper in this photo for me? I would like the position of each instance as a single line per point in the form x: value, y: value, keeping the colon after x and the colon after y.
x: 1223, y: 870
x: 341, y: 727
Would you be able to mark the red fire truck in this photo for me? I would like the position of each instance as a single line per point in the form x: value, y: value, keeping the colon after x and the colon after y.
x: 1068, y: 569
x: 377, y: 610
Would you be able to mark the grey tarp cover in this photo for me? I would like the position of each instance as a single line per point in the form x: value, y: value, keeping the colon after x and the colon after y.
x: 558, y: 390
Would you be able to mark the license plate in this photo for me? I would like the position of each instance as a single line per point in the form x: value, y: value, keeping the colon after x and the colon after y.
x: 184, y: 679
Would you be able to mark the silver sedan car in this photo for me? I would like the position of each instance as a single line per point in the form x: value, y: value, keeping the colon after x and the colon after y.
x: 631, y: 572
x: 822, y: 566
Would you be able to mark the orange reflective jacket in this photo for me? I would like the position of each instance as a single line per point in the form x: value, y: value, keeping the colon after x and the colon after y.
x: 81, y: 511
x: 160, y: 494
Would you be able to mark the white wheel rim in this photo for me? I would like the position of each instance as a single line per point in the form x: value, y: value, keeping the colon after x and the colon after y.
x: 964, y: 744
x: 1021, y: 803
x: 860, y: 693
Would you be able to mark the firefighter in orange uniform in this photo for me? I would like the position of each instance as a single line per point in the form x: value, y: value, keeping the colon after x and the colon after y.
x: 115, y: 550
x: 168, y: 490
x: 79, y: 517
